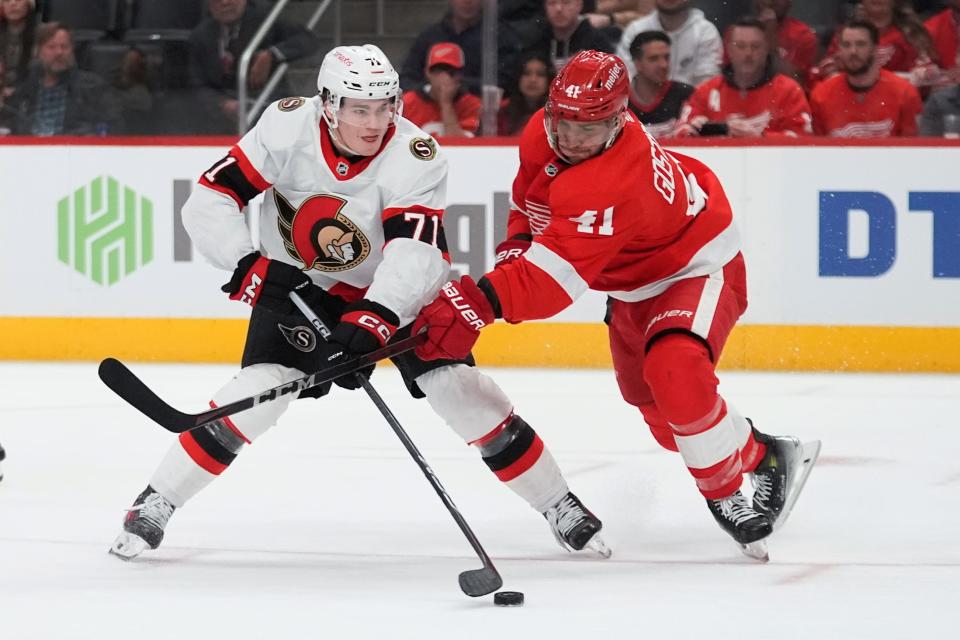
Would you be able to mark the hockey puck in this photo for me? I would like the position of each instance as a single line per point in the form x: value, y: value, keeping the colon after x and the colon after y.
x: 508, y: 598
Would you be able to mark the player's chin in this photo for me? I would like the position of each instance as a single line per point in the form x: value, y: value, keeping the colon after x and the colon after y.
x: 368, y: 145
x: 573, y: 157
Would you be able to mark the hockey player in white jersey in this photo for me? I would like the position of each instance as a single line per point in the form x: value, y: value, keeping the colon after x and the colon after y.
x: 352, y: 220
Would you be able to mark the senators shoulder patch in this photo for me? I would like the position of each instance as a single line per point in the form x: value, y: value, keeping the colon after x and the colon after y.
x: 423, y: 148
x: 289, y: 104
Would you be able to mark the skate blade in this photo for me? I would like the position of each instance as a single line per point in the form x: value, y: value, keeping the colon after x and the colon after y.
x: 598, y: 546
x: 128, y: 546
x: 809, y: 452
x: 756, y: 550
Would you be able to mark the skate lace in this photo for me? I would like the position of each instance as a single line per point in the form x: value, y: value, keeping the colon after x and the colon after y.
x: 154, y: 509
x: 735, y: 509
x: 763, y: 488
x: 567, y: 515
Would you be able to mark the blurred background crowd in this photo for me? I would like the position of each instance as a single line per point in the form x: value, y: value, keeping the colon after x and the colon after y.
x: 736, y: 68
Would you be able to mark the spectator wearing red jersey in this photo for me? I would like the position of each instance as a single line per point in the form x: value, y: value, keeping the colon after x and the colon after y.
x: 527, y: 97
x: 944, y: 28
x: 905, y: 46
x: 793, y: 42
x: 442, y: 107
x: 748, y: 99
x: 864, y: 101
x: 654, y: 98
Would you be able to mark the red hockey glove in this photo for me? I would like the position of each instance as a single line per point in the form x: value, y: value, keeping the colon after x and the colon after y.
x: 364, y: 326
x: 260, y: 280
x: 453, y: 320
x: 510, y: 250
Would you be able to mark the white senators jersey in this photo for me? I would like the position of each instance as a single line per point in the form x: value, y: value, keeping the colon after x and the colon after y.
x: 359, y: 227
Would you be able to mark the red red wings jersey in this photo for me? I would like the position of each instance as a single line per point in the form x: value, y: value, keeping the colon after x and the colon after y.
x: 888, y: 108
x: 629, y: 222
x: 797, y: 44
x: 944, y: 28
x: 894, y: 51
x: 778, y: 107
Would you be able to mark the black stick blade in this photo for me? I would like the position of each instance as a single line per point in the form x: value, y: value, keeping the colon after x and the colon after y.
x: 480, y: 582
x: 125, y: 384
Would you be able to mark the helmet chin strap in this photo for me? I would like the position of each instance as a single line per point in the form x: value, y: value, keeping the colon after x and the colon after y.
x: 339, y: 143
x: 333, y: 123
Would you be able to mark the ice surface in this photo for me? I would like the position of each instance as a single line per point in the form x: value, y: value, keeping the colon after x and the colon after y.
x: 326, y: 529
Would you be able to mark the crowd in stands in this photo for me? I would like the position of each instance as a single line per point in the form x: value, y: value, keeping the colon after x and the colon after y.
x: 883, y: 68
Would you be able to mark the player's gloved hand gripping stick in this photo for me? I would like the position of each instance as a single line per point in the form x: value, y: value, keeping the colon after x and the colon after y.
x: 475, y: 582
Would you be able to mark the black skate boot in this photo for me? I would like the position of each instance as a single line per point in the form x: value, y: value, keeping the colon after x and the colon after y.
x: 143, y: 527
x: 746, y: 526
x: 574, y: 527
x: 3, y: 454
x: 781, y: 474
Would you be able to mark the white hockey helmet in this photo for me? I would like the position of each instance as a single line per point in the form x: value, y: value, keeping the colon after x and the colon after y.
x: 357, y: 72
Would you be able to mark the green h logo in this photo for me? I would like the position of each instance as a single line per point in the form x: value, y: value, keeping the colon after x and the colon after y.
x: 105, y: 230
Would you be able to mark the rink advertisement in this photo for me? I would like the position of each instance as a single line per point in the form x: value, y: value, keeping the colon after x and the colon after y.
x: 851, y: 253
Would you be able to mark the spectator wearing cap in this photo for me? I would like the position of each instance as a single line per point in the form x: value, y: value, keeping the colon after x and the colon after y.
x: 864, y: 101
x: 216, y: 45
x: 18, y: 24
x: 442, y: 107
x: 655, y: 99
x: 56, y: 98
x: 696, y: 47
x: 566, y: 32
x: 463, y: 26
x: 749, y: 99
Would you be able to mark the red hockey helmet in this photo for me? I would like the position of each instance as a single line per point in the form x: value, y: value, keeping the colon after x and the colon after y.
x: 592, y: 87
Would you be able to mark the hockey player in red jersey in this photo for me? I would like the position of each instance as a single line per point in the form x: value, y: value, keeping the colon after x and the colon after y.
x: 598, y: 204
x: 352, y: 220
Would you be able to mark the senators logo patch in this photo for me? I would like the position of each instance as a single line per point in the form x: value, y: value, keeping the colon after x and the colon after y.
x: 318, y: 235
x: 302, y: 338
x: 289, y: 104
x: 423, y: 148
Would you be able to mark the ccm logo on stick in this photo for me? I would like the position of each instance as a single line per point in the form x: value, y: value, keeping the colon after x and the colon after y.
x: 461, y: 305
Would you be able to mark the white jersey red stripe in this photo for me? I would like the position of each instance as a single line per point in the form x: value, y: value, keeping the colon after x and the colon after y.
x: 339, y: 219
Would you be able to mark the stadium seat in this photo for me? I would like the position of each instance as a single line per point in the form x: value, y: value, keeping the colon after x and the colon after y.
x: 87, y: 19
x: 169, y: 20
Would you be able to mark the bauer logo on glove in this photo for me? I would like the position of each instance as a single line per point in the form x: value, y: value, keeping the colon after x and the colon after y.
x: 458, y: 302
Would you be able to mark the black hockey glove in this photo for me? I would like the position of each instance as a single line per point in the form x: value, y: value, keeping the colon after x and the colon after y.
x: 260, y: 280
x: 364, y: 327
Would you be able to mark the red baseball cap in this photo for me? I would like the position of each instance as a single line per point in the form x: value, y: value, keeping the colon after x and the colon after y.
x: 447, y: 53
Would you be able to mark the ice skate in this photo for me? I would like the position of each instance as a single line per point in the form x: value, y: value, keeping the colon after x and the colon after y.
x: 781, y: 475
x: 575, y: 527
x: 143, y: 527
x: 746, y: 526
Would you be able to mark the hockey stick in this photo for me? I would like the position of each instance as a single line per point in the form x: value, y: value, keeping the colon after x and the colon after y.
x: 128, y: 386
x: 474, y: 582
